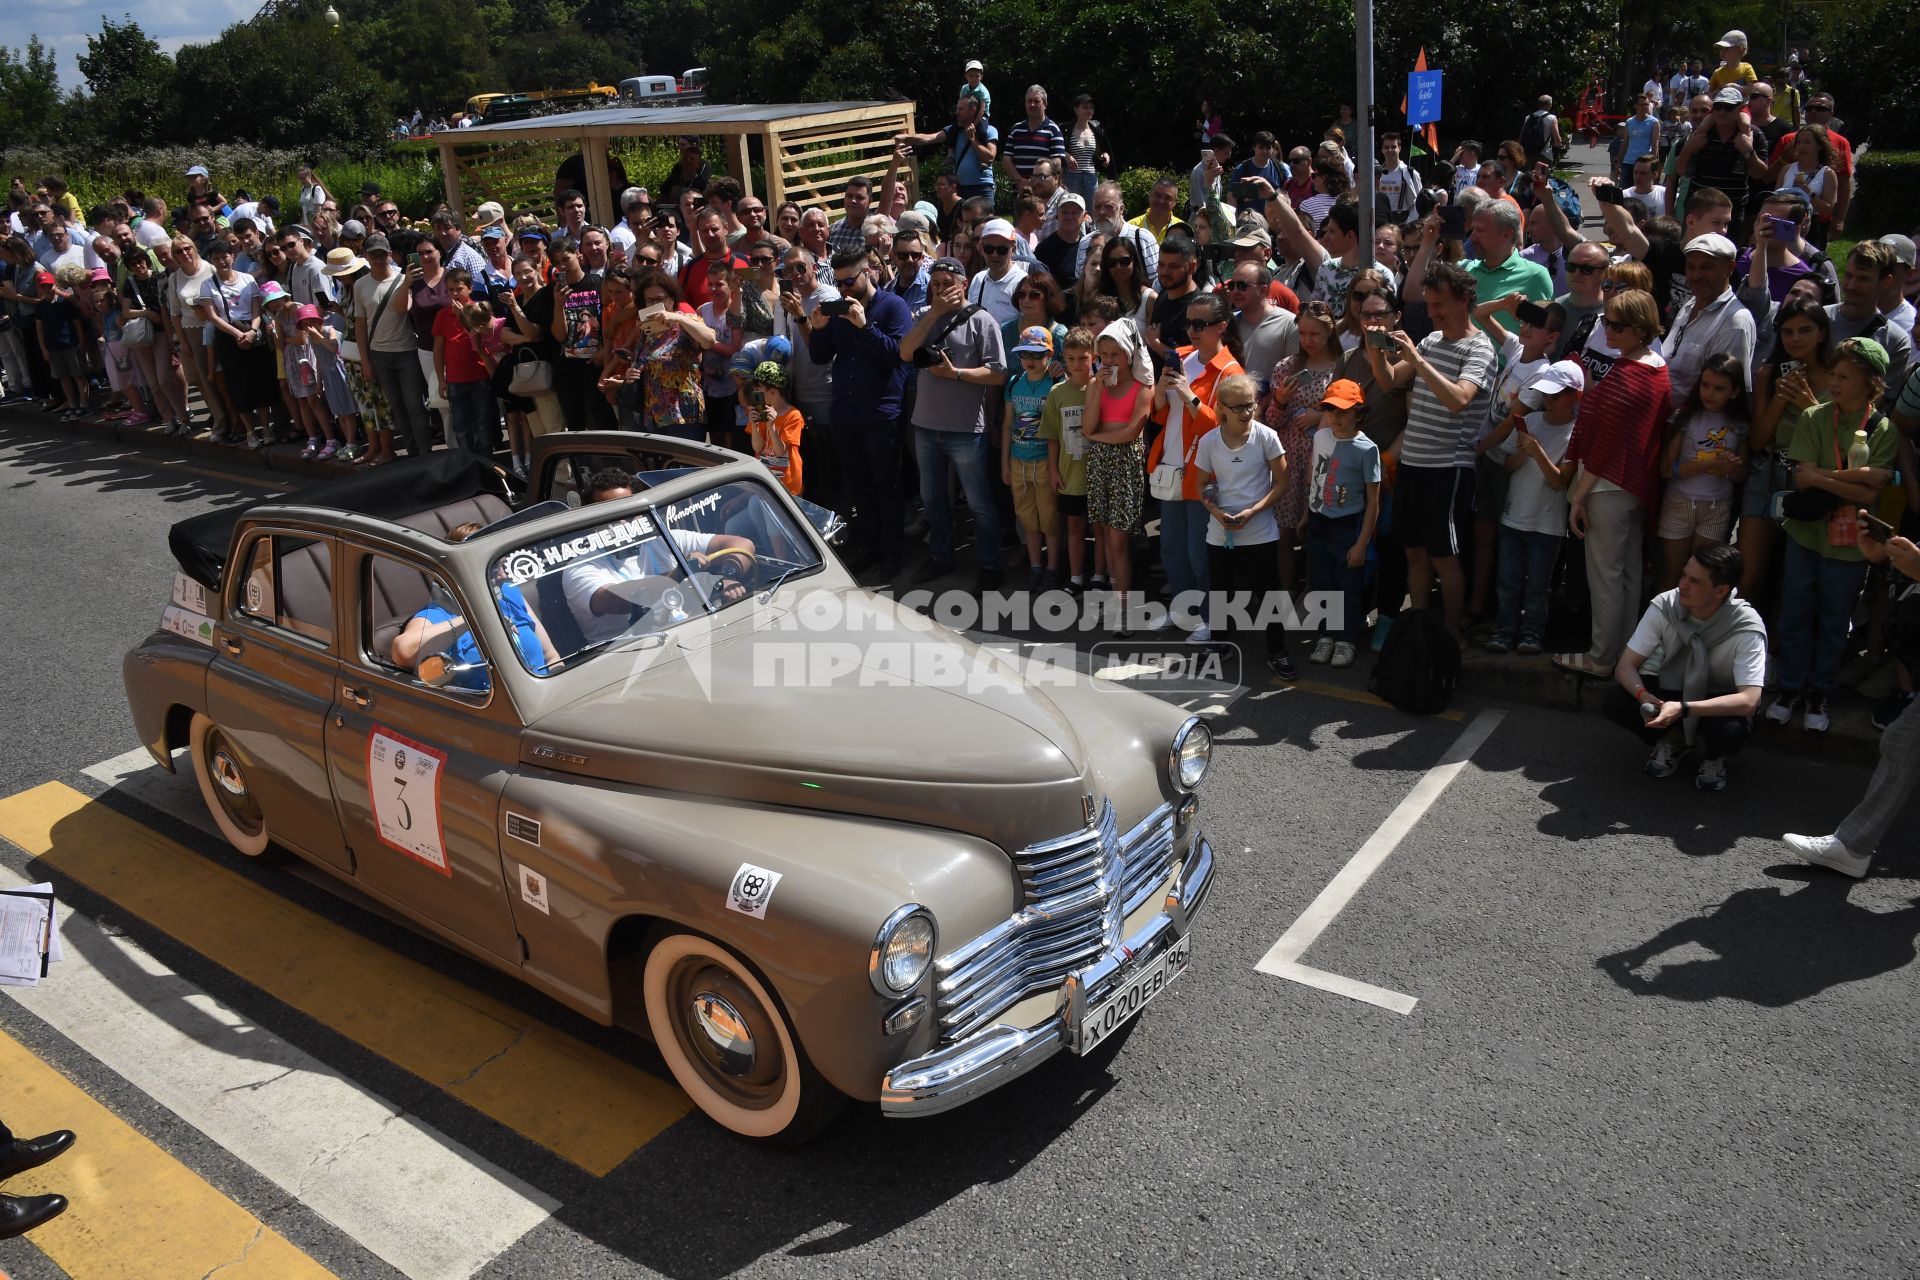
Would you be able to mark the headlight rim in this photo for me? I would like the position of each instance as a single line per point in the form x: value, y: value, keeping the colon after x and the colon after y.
x: 1180, y: 737
x: 876, y: 958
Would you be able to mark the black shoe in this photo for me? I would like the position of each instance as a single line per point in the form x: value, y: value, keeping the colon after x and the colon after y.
x: 930, y: 570
x: 988, y: 580
x: 31, y: 1153
x: 1074, y: 589
x: 1281, y: 665
x: 21, y: 1214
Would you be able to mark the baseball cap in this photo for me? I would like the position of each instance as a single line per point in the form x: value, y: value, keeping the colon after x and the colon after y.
x: 1561, y: 375
x: 100, y: 275
x: 494, y: 232
x: 1729, y: 96
x: 1343, y: 394
x: 353, y: 229
x: 947, y: 264
x: 997, y: 228
x: 1035, y: 340
x: 1902, y: 247
x: 298, y: 229
x: 1717, y: 245
x: 489, y: 213
x: 376, y: 243
x: 973, y: 64
x: 1252, y: 235
x: 197, y: 171
x: 531, y: 233
x: 770, y: 373
x: 1789, y: 195
x: 1732, y: 40
x: 43, y: 278
x: 1074, y: 198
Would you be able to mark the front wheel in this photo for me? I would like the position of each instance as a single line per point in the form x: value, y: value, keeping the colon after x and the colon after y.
x: 226, y: 788
x: 729, y: 1046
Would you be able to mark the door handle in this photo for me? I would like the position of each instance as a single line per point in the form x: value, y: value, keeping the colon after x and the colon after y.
x: 358, y: 697
x: 230, y: 643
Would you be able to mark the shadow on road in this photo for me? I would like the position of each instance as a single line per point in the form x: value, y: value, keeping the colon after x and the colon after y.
x: 78, y: 463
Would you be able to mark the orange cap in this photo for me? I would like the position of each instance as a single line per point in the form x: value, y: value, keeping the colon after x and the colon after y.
x: 1344, y: 394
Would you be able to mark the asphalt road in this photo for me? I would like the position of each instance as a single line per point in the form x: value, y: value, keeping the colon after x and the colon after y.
x: 1644, y: 1043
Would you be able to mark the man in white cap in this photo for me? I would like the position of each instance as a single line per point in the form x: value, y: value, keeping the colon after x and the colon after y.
x: 975, y: 89
x: 1721, y: 153
x: 993, y: 287
x: 1711, y: 321
x: 1894, y: 304
x: 1733, y: 68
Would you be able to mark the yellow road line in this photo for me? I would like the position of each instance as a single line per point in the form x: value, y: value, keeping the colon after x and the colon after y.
x: 136, y: 1212
x: 580, y: 1103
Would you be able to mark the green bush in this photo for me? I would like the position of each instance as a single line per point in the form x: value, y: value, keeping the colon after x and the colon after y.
x: 1137, y: 184
x: 410, y: 176
x: 1886, y: 193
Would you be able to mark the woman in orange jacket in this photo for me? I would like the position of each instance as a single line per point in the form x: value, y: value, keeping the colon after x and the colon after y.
x: 1183, y: 403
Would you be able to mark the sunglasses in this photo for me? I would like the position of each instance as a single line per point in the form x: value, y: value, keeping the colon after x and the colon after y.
x: 1119, y: 262
x: 1238, y: 286
x: 1586, y: 268
x: 855, y: 278
x: 907, y: 255
x: 1362, y: 294
x: 758, y: 262
x: 798, y: 268
x: 996, y: 250
x: 389, y: 213
x: 1193, y: 325
x: 1617, y: 326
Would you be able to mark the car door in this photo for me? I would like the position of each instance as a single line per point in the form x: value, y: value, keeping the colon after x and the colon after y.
x: 417, y: 771
x: 271, y: 684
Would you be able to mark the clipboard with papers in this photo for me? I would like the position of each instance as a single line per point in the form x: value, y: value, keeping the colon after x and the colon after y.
x: 29, y: 937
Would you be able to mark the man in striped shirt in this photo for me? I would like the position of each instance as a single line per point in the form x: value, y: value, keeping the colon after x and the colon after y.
x: 849, y: 233
x: 1034, y: 139
x: 1452, y: 372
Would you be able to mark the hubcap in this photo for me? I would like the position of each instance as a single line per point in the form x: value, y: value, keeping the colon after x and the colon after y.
x: 729, y: 1044
x: 228, y: 775
x: 230, y: 785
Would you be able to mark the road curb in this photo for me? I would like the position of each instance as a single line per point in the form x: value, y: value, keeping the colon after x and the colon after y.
x: 281, y: 459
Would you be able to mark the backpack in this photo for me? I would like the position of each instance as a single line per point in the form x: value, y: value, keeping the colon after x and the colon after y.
x: 1419, y: 665
x: 1533, y: 134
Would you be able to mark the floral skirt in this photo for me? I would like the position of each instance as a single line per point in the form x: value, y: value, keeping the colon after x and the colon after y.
x: 1116, y: 483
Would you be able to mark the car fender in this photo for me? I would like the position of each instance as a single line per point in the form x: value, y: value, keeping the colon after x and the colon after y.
x: 166, y: 682
x: 602, y: 853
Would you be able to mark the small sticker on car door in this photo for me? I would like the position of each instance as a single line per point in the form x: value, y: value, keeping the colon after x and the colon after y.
x: 751, y: 890
x: 524, y: 829
x: 533, y: 890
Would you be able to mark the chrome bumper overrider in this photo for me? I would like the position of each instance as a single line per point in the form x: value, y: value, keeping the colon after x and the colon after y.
x: 983, y: 1061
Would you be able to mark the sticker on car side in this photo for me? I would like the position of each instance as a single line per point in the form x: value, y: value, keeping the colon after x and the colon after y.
x: 403, y: 784
x: 751, y: 890
x: 533, y: 890
x: 524, y: 829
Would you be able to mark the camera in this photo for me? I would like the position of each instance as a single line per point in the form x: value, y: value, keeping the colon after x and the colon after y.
x: 1215, y: 254
x: 1429, y: 199
x: 928, y: 356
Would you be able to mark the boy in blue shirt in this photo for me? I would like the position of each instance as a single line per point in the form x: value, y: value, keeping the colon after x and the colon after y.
x: 1023, y: 455
x: 1343, y: 506
x: 61, y: 332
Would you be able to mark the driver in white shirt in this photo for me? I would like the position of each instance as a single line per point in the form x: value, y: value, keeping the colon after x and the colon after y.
x: 602, y: 611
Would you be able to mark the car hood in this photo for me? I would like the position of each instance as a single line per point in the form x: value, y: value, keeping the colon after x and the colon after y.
x: 847, y: 702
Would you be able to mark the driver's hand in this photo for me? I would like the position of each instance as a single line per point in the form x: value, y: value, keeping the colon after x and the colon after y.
x: 732, y: 591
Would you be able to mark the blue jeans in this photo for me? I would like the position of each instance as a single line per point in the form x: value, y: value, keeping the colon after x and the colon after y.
x: 472, y: 408
x: 1183, y: 547
x: 1526, y: 577
x: 1817, y: 596
x: 1082, y: 182
x: 967, y: 453
x: 1329, y: 539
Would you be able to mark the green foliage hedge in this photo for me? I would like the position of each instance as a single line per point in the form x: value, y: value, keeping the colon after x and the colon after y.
x: 1886, y: 194
x: 409, y: 176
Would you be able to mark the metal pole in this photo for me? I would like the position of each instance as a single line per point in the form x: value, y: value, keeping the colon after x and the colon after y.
x: 1363, y: 121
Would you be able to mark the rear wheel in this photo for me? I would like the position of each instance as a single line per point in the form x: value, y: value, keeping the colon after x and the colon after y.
x: 226, y: 788
x: 728, y: 1044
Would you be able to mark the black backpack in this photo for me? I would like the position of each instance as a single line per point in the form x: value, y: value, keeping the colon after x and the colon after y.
x: 1534, y: 135
x: 1419, y: 665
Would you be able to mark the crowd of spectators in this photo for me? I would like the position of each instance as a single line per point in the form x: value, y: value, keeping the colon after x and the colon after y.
x: 1489, y: 407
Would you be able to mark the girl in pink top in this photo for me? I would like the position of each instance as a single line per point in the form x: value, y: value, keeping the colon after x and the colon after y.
x: 1118, y: 400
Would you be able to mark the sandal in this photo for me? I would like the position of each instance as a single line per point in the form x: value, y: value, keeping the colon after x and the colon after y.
x: 1578, y: 664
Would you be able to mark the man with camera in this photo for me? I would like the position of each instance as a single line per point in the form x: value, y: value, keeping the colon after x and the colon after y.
x: 958, y: 351
x: 972, y: 145
x: 1337, y: 255
x: 859, y: 335
x: 802, y: 293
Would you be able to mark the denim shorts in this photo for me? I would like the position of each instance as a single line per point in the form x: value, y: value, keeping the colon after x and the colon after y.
x: 1766, y: 475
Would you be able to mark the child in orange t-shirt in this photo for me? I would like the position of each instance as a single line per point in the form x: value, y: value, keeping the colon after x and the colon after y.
x: 775, y: 424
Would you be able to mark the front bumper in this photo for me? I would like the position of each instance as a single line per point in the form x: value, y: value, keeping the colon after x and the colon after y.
x: 958, y: 1073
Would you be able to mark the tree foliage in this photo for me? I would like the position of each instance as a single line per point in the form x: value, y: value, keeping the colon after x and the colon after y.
x: 1877, y: 88
x: 130, y: 85
x: 30, y: 93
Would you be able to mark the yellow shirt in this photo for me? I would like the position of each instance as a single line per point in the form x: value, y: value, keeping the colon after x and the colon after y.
x: 1724, y: 75
x: 1159, y: 233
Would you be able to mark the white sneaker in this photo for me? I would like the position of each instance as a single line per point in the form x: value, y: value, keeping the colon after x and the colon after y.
x: 1817, y: 720
x: 1342, y: 654
x: 1780, y: 711
x: 1828, y: 852
x: 1161, y: 622
x: 1322, y: 649
x: 1201, y: 634
x: 1664, y: 760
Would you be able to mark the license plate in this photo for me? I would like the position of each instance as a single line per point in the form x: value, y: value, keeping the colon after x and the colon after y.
x: 1114, y: 1012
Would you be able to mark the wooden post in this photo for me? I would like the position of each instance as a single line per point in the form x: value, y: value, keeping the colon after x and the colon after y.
x: 600, y: 193
x: 739, y: 163
x: 776, y: 181
x: 450, y: 171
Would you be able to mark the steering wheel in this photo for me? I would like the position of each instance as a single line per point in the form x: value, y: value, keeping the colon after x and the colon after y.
x: 737, y: 563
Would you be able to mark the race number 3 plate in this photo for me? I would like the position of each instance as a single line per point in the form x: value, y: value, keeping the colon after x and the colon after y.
x: 1103, y: 1019
x: 403, y: 779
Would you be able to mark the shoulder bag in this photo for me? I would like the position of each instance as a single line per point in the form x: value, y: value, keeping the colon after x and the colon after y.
x: 530, y: 376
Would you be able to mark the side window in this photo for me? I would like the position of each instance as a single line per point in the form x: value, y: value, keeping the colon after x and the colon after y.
x: 567, y: 478
x: 289, y: 584
x: 409, y: 616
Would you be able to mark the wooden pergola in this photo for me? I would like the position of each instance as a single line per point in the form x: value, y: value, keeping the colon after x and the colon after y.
x: 810, y: 150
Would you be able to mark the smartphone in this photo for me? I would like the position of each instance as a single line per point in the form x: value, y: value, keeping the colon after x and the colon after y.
x: 1453, y: 222
x: 1781, y: 228
x: 413, y: 259
x: 1531, y: 313
x: 1206, y: 154
x: 1608, y: 193
x: 1879, y: 529
x: 836, y: 306
x: 758, y: 399
x: 650, y: 313
x: 788, y: 286
x: 1381, y: 340
x: 1245, y: 190
x: 1789, y: 366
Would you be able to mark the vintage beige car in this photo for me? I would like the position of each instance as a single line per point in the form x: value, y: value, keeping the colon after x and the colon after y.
x: 661, y: 757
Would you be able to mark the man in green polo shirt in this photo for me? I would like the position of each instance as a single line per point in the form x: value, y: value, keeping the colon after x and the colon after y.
x: 1500, y: 270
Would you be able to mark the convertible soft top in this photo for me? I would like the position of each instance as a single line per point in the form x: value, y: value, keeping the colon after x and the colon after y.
x: 393, y: 492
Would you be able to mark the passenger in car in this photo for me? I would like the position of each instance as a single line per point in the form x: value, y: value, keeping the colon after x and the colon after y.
x: 436, y: 622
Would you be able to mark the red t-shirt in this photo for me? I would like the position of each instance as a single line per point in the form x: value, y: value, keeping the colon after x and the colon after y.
x: 1842, y: 163
x: 693, y: 280
x: 463, y: 362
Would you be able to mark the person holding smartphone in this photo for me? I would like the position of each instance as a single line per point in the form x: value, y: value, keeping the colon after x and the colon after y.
x: 1850, y: 848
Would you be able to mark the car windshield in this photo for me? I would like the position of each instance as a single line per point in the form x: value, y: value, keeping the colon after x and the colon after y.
x: 596, y: 586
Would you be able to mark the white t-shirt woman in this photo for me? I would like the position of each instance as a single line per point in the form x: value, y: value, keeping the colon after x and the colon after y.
x: 1244, y: 475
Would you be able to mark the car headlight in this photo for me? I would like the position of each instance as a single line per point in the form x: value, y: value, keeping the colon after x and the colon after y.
x: 902, y: 951
x: 1192, y: 753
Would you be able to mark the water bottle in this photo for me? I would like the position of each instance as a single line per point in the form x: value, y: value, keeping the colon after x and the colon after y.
x: 1648, y: 710
x: 1857, y: 452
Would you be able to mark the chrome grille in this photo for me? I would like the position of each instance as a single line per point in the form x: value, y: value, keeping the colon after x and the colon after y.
x: 1077, y: 890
